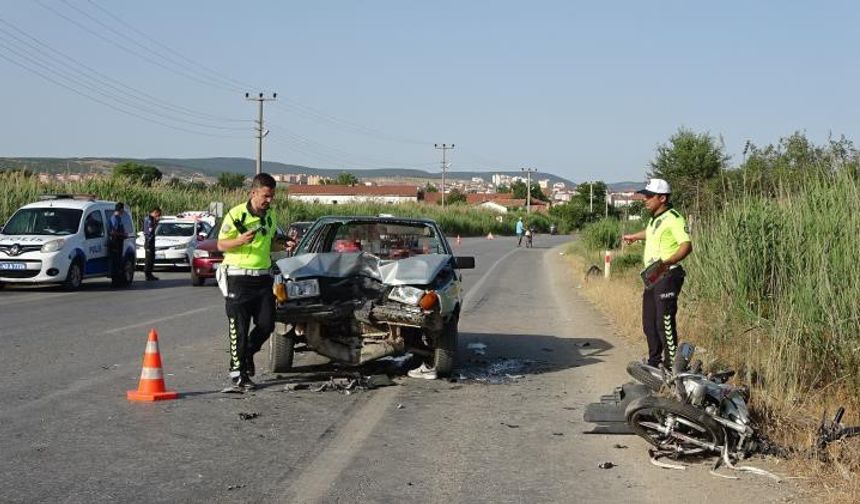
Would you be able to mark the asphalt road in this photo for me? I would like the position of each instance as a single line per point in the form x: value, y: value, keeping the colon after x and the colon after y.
x: 67, y: 433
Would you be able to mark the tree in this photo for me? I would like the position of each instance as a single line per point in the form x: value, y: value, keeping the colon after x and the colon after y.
x: 453, y: 197
x: 503, y: 189
x: 430, y: 188
x: 518, y: 188
x: 346, y: 178
x: 688, y: 162
x: 138, y: 172
x: 592, y: 196
x: 230, y: 180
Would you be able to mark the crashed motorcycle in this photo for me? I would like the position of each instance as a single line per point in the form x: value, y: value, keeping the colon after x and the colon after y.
x: 692, y: 412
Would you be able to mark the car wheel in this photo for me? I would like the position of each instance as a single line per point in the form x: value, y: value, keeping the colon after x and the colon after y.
x: 74, y: 277
x: 446, y: 348
x: 196, y: 281
x: 281, y: 349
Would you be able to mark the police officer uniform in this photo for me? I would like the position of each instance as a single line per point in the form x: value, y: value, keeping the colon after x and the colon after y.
x: 663, y: 236
x: 249, y: 288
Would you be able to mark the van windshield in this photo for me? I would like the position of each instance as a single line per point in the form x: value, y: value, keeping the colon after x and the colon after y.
x: 44, y: 221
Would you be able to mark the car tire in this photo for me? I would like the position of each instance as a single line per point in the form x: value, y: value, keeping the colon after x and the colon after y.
x: 196, y: 281
x: 281, y: 351
x: 445, y: 353
x: 74, y: 277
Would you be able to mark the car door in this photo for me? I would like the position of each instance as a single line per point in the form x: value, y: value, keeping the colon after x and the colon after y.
x: 95, y: 243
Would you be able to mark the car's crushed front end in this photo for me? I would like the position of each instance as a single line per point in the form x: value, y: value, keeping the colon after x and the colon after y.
x: 354, y: 307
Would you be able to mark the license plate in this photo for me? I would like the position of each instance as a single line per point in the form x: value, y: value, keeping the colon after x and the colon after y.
x: 12, y: 266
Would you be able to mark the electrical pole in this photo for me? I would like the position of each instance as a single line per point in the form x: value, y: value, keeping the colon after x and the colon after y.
x: 591, y: 197
x: 529, y: 172
x: 444, y: 148
x: 260, y: 98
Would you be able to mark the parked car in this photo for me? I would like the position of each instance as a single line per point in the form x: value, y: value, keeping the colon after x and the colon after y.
x: 176, y: 238
x: 63, y: 239
x: 395, y: 289
x: 205, y: 258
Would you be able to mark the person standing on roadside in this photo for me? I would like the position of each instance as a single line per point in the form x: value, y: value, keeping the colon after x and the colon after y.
x: 117, y: 233
x: 149, y: 225
x: 246, y: 237
x: 520, y: 229
x: 667, y: 243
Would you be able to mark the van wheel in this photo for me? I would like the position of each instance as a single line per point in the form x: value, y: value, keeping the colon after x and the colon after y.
x: 126, y: 275
x: 74, y: 277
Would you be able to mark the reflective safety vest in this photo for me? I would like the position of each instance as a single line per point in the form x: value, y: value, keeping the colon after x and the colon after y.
x: 663, y: 235
x: 253, y: 255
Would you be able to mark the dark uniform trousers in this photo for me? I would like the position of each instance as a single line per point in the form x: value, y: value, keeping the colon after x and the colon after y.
x: 249, y: 298
x: 659, y: 307
x: 149, y: 248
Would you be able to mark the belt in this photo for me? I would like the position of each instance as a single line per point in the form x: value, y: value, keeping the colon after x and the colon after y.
x: 231, y: 271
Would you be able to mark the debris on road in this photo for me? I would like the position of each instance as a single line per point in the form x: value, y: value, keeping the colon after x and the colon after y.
x: 236, y: 487
x: 400, y: 406
x: 501, y: 370
x: 511, y: 425
x: 619, y: 446
x: 584, y: 344
x: 605, y: 465
x: 344, y: 384
x: 248, y: 416
x: 558, y: 433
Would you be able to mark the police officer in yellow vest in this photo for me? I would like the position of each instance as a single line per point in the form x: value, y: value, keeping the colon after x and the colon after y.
x: 667, y: 243
x: 246, y: 237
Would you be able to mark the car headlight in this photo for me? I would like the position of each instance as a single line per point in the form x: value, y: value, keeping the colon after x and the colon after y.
x: 200, y: 253
x: 297, y: 289
x: 53, y: 245
x: 406, y: 294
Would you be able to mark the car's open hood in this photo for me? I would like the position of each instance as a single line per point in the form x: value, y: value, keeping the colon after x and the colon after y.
x: 416, y: 270
x: 28, y: 239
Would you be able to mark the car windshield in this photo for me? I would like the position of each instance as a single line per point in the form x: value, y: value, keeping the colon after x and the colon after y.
x: 44, y: 221
x: 175, y: 229
x: 386, y: 240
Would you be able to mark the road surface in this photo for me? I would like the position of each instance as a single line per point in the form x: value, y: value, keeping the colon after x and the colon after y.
x: 67, y: 433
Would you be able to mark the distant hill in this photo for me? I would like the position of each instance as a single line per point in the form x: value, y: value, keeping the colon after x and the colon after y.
x: 211, y: 167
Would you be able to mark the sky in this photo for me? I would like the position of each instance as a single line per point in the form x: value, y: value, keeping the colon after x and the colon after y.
x: 582, y: 90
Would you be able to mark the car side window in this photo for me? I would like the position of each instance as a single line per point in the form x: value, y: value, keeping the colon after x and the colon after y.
x: 94, y: 226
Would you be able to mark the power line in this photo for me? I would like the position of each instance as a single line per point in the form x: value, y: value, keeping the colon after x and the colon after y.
x: 169, y: 49
x: 106, y: 104
x: 134, y: 52
x: 126, y: 90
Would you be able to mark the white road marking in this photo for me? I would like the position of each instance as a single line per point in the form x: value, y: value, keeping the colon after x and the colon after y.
x: 467, y: 299
x: 162, y: 319
x: 313, y: 483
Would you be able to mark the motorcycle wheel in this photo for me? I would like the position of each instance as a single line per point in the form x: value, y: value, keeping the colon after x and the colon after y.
x: 674, y: 427
x: 647, y: 375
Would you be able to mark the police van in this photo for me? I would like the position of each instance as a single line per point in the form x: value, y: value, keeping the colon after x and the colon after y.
x: 63, y: 239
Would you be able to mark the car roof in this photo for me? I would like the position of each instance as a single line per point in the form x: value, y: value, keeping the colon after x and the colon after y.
x: 372, y: 218
x: 77, y: 204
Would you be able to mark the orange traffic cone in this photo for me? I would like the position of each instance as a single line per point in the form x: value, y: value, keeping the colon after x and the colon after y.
x: 151, y: 386
x: 491, y: 237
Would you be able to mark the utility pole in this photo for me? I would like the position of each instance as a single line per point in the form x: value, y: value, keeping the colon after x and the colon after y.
x: 444, y: 148
x: 591, y: 197
x: 260, y: 98
x: 529, y: 172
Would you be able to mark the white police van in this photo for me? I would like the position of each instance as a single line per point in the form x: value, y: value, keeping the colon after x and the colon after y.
x: 63, y: 239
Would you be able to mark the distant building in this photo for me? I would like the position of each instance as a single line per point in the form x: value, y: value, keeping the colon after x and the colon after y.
x: 543, y: 184
x: 623, y: 199
x: 339, y: 194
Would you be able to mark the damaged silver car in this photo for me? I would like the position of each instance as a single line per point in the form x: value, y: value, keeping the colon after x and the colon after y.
x: 361, y: 288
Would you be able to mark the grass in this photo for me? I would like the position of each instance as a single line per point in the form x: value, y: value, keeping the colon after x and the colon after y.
x: 772, y: 290
x: 140, y: 198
